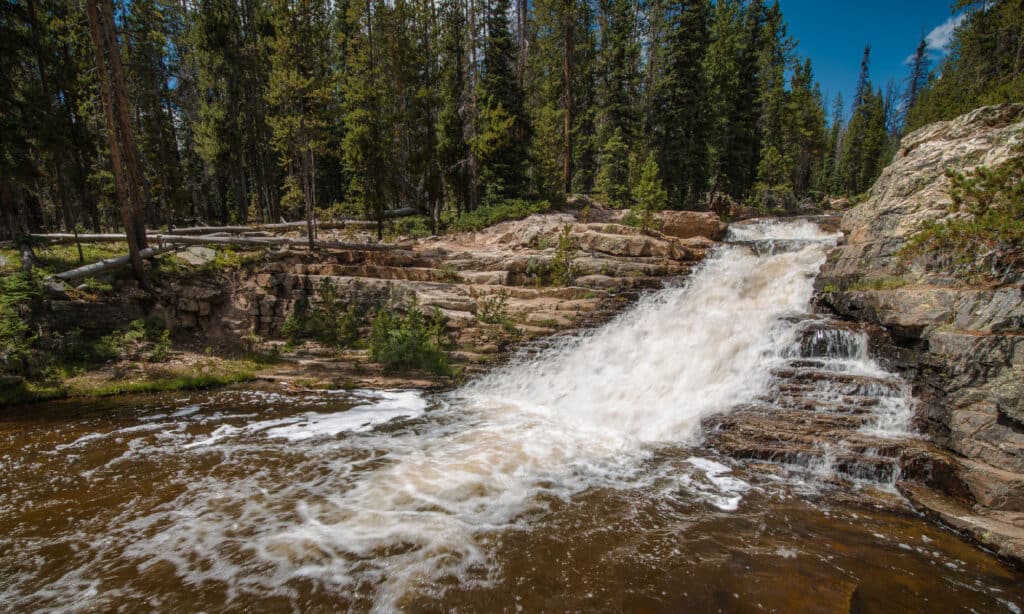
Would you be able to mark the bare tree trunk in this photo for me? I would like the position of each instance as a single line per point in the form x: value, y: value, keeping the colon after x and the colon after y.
x: 131, y: 152
x: 567, y: 68
x: 101, y: 49
x: 473, y: 165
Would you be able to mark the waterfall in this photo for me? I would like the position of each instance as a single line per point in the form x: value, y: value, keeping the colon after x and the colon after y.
x: 583, y: 413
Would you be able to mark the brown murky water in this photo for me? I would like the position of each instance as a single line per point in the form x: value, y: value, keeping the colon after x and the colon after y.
x: 194, y: 502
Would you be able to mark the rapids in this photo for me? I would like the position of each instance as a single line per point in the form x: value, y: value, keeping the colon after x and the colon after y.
x: 575, y: 477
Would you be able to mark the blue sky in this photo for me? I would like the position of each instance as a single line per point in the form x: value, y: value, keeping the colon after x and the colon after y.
x: 833, y: 35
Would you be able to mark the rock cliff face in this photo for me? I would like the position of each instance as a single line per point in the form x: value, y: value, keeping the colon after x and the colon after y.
x: 961, y: 345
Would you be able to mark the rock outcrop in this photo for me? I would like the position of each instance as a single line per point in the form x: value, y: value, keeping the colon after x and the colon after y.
x: 961, y: 345
x: 504, y: 268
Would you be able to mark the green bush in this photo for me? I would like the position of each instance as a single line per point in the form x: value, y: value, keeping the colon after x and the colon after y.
x: 162, y: 350
x: 563, y: 265
x: 493, y: 309
x: 511, y: 209
x: 649, y: 196
x: 416, y: 227
x: 987, y: 241
x: 332, y: 321
x: 18, y: 292
x: 412, y: 341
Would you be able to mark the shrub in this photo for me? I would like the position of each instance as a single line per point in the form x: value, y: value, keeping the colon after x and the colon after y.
x: 415, y: 227
x: 511, y: 209
x: 563, y: 265
x: 18, y: 292
x: 450, y: 272
x: 412, y: 341
x: 650, y: 197
x: 987, y: 241
x: 493, y: 309
x: 331, y: 321
x: 162, y: 350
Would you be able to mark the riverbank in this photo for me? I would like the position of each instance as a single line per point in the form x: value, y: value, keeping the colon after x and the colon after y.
x: 469, y: 300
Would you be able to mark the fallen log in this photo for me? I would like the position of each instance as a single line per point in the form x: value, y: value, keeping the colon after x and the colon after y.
x: 403, y: 212
x: 67, y: 237
x: 217, y: 239
x: 269, y: 242
x: 97, y: 268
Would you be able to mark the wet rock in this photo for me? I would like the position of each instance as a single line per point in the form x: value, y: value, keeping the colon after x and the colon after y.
x: 1001, y: 532
x: 961, y: 344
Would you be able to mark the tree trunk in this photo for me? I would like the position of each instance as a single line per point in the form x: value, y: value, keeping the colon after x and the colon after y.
x: 133, y: 168
x: 567, y: 67
x: 101, y: 49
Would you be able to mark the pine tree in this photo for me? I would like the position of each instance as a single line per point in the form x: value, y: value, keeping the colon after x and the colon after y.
x: 721, y: 69
x: 298, y: 93
x: 120, y: 132
x: 649, y: 195
x: 613, y: 178
x: 148, y: 26
x: 917, y: 80
x: 366, y: 145
x: 502, y: 115
x: 985, y: 63
x: 453, y: 151
x: 679, y: 123
x: 619, y: 80
x: 740, y: 152
x: 804, y: 141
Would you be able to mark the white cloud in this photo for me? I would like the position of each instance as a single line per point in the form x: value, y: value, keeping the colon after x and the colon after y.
x: 941, y: 36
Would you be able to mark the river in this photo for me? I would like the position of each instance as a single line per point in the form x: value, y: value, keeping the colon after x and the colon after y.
x: 574, y: 478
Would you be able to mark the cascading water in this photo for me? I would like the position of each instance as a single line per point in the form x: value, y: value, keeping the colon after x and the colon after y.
x: 381, y: 498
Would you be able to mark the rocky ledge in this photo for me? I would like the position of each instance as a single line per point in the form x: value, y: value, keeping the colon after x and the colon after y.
x: 493, y: 288
x: 961, y: 345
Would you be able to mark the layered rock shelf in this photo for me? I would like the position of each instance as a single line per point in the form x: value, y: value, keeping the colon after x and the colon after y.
x: 960, y: 343
x: 506, y: 266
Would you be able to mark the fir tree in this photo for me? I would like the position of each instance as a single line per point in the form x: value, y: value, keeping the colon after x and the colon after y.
x: 619, y: 70
x: 649, y: 195
x: 679, y: 121
x: 502, y: 117
x: 613, y: 178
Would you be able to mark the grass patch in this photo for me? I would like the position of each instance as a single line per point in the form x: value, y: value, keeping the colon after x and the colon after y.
x: 511, y: 209
x: 54, y: 259
x: 167, y: 382
x: 210, y: 375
